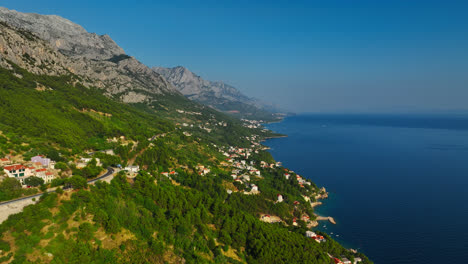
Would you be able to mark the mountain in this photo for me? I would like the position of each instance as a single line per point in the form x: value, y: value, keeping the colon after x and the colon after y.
x: 218, y: 95
x: 53, y: 45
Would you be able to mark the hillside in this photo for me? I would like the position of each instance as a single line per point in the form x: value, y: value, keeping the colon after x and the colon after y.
x: 218, y: 95
x: 194, y: 186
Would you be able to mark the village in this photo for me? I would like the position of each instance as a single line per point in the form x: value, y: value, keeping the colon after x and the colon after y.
x: 39, y: 166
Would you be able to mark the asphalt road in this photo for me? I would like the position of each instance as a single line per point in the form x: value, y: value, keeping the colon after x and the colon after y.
x: 109, y: 172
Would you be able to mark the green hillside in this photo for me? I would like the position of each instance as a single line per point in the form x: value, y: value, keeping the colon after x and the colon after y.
x: 148, y: 217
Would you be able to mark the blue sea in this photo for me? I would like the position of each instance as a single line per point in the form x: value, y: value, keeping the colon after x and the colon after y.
x: 398, y: 184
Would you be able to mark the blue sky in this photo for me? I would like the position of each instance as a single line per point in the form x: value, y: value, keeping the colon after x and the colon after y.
x: 313, y: 56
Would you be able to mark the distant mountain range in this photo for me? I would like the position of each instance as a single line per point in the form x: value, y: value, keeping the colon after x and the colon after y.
x: 218, y: 95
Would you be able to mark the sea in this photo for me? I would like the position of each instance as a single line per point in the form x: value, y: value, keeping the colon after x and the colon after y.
x: 398, y: 184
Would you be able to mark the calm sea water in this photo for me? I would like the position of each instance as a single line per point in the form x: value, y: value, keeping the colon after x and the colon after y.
x: 398, y: 184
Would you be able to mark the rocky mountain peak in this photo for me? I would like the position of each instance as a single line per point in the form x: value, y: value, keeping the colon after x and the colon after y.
x: 66, y: 36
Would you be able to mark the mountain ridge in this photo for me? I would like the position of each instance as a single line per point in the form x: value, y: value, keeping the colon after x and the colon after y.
x: 217, y: 94
x: 52, y: 45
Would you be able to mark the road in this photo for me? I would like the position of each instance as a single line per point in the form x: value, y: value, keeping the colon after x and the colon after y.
x: 8, y: 208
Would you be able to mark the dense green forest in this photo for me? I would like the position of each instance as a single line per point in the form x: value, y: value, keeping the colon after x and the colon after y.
x: 141, y: 221
x: 147, y: 218
x: 70, y: 115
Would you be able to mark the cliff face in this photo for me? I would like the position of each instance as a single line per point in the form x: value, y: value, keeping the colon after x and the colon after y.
x: 53, y: 45
x: 61, y: 33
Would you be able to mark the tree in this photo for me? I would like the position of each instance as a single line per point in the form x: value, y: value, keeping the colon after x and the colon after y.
x: 9, y: 188
x: 34, y: 181
x: 77, y: 182
x: 61, y: 166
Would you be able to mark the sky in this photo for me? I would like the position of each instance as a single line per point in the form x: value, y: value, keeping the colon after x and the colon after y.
x: 306, y: 56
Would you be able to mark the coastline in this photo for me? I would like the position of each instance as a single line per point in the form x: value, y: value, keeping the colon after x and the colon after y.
x: 321, y: 196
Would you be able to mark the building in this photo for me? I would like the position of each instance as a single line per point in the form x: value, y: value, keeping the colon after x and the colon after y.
x: 84, y: 162
x: 280, y: 198
x: 47, y: 176
x: 4, y: 161
x: 15, y: 171
x: 254, y: 188
x: 133, y: 169
x: 310, y: 234
x: 246, y: 177
x: 18, y: 172
x: 346, y: 261
x: 43, y: 160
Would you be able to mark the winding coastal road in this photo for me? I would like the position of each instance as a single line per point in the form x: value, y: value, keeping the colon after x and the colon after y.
x: 10, y: 207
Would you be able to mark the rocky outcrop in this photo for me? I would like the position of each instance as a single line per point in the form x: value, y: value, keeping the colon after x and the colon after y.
x: 68, y: 37
x: 53, y: 45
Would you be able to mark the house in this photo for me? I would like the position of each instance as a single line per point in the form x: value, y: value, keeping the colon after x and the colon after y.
x: 266, y: 218
x: 319, y: 239
x: 18, y: 172
x: 246, y: 177
x: 165, y: 174
x: 43, y: 160
x: 254, y: 188
x: 357, y: 259
x: 296, y: 202
x: 132, y: 169
x: 47, y: 177
x: 108, y: 152
x: 41, y: 173
x: 337, y: 261
x: 238, y: 180
x: 4, y: 161
x: 280, y: 198
x: 287, y: 175
x: 84, y: 162
x: 295, y: 222
x: 310, y: 234
x: 346, y: 261
x: 255, y: 171
x: 15, y: 171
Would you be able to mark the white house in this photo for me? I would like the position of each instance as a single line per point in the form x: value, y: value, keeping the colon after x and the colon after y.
x: 84, y: 162
x: 346, y: 261
x: 254, y: 188
x: 16, y: 171
x: 246, y: 177
x: 280, y: 198
x: 47, y: 176
x: 310, y: 234
x: 133, y: 169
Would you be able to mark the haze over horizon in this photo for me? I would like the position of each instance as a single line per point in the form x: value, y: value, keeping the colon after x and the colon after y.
x: 306, y: 56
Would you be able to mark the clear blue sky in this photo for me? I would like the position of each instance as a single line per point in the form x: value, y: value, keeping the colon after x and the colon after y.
x: 364, y: 56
